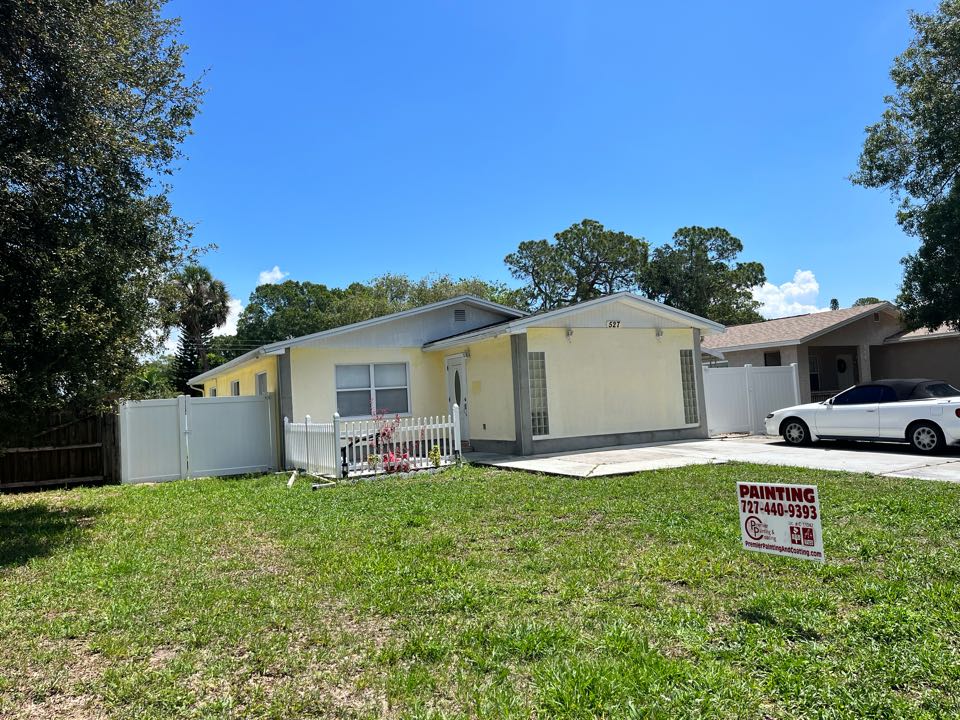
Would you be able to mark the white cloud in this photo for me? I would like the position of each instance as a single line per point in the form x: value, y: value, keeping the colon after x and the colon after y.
x: 795, y: 297
x: 270, y: 277
x: 235, y: 307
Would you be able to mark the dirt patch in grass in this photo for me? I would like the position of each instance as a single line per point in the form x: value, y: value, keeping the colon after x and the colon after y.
x: 249, y: 555
x: 61, y: 693
x: 329, y: 671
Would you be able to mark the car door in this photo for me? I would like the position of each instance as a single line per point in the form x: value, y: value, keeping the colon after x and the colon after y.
x: 895, y: 415
x: 852, y: 413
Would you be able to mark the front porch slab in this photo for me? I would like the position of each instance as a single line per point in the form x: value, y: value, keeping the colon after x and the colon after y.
x: 883, y: 459
x: 620, y: 460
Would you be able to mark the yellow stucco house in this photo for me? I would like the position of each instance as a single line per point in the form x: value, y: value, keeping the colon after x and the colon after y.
x: 615, y: 370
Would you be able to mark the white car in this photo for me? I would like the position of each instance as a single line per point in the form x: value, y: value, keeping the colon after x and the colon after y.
x: 924, y: 413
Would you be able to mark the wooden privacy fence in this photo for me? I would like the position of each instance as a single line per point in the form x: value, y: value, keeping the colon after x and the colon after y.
x: 343, y: 448
x: 72, y: 451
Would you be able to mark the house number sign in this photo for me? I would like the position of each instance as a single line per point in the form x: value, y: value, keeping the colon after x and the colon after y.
x: 613, y: 324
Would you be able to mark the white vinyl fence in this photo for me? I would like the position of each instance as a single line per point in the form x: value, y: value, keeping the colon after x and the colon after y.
x: 342, y: 448
x: 196, y: 437
x: 739, y: 398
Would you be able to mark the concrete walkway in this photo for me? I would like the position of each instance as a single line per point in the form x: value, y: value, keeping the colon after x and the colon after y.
x: 887, y: 459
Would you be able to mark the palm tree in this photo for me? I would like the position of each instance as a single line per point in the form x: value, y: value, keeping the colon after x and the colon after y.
x: 198, y: 304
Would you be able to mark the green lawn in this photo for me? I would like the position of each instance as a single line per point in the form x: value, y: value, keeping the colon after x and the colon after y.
x: 477, y: 593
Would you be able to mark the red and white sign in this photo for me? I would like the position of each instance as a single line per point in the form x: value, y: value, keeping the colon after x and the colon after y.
x: 781, y: 519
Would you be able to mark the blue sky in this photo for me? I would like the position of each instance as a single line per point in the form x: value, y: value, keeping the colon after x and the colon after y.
x: 339, y: 141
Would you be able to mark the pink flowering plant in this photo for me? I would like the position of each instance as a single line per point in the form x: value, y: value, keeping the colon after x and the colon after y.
x: 383, y: 447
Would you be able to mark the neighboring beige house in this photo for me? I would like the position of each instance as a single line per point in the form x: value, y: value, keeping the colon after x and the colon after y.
x: 839, y: 348
x: 614, y: 370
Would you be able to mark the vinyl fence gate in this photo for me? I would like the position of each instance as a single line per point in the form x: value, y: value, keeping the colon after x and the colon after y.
x: 739, y: 398
x: 186, y: 437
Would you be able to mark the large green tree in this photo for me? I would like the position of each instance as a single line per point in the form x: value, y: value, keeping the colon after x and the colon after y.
x: 94, y: 105
x: 914, y: 151
x: 699, y: 272
x: 584, y: 261
x: 197, y: 304
x: 930, y: 293
x: 154, y: 379
x: 285, y: 310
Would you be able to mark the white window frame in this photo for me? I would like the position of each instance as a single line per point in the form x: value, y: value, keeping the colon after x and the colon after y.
x: 256, y: 382
x: 373, y: 388
x: 212, y: 392
x: 234, y: 383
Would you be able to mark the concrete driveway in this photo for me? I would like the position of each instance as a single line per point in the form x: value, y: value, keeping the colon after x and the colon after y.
x: 886, y: 459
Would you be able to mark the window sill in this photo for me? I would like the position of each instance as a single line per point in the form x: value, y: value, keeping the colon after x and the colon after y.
x: 373, y: 417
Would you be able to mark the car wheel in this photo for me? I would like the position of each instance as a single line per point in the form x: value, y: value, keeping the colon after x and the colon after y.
x: 926, y: 437
x: 795, y: 432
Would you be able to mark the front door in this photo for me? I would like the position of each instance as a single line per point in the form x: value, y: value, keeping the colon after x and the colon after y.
x: 844, y: 372
x: 457, y: 393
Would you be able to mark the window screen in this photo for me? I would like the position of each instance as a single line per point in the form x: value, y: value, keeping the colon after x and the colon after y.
x: 364, y: 390
x: 235, y: 388
x: 539, y: 415
x: 771, y: 359
x: 261, y: 383
x: 213, y: 392
x: 691, y: 412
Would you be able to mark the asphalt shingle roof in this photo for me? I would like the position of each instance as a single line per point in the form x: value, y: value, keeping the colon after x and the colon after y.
x: 786, y: 330
x: 923, y: 334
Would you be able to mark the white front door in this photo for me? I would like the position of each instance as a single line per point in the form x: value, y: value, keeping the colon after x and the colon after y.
x: 844, y: 371
x: 457, y: 393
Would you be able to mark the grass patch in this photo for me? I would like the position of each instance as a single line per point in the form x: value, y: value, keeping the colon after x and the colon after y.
x: 478, y: 593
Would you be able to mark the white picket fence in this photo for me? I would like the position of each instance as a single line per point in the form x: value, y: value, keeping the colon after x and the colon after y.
x: 343, y: 448
x: 739, y: 398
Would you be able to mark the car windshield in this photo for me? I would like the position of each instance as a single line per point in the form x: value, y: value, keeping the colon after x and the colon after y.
x: 937, y: 390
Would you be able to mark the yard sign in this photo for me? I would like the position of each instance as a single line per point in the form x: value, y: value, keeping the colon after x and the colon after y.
x: 781, y: 519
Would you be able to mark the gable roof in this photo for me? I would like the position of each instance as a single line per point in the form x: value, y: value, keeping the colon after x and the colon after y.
x: 791, y: 330
x: 511, y: 326
x: 279, y: 347
x: 944, y: 331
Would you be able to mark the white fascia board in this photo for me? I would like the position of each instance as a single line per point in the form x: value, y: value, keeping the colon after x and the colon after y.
x: 517, y: 326
x: 651, y: 306
x: 239, y: 360
x: 333, y: 332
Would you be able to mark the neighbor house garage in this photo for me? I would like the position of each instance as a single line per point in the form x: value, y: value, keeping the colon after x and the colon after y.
x: 614, y: 370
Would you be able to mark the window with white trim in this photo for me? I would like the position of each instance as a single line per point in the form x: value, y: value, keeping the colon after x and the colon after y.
x: 691, y: 411
x: 364, y: 390
x: 539, y: 414
x: 261, y: 383
x: 235, y: 388
x: 212, y: 392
